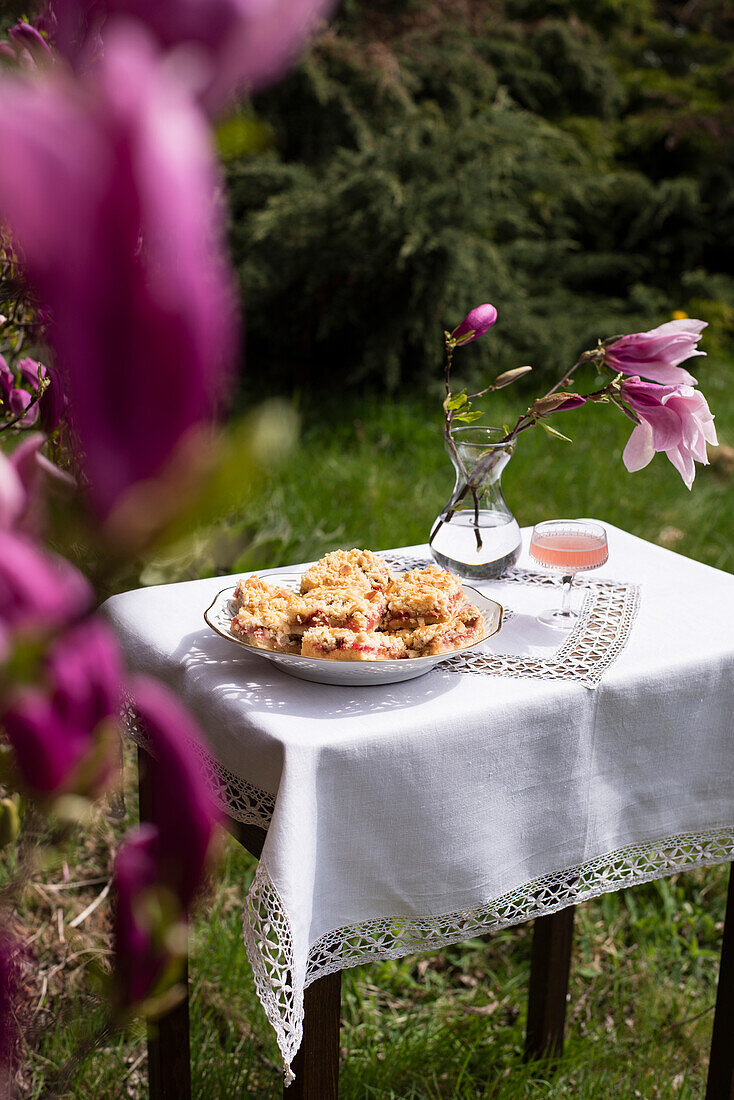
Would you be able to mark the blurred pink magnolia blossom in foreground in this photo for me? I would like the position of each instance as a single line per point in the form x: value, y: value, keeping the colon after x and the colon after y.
x: 109, y: 187
x: 60, y: 729
x: 39, y: 592
x: 171, y: 854
x: 673, y: 419
x: 139, y: 959
x: 110, y: 190
x: 657, y: 353
x: 24, y: 476
x: 233, y: 45
x: 26, y: 47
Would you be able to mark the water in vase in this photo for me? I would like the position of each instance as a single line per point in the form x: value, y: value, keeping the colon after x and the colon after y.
x: 454, y: 544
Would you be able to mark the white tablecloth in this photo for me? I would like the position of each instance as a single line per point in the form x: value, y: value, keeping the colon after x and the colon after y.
x: 416, y: 814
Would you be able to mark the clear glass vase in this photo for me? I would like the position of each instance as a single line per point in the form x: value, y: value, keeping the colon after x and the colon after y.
x: 476, y: 534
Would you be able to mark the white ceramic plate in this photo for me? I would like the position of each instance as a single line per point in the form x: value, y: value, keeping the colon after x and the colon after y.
x: 323, y: 671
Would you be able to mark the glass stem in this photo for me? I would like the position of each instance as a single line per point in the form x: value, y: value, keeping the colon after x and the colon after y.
x: 567, y: 582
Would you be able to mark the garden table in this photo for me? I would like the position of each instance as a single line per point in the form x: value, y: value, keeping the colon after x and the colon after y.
x: 509, y: 783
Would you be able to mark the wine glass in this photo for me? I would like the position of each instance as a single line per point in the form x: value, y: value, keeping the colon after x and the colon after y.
x: 567, y: 546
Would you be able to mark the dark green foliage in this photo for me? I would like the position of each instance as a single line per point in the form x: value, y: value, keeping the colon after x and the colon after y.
x: 571, y: 165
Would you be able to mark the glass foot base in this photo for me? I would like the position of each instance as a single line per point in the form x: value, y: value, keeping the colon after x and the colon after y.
x: 559, y: 620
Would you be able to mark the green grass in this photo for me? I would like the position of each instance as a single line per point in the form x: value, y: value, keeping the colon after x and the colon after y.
x: 450, y: 1024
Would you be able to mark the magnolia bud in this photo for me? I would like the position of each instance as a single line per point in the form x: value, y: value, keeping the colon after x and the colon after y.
x: 509, y: 376
x: 478, y: 321
x: 547, y: 404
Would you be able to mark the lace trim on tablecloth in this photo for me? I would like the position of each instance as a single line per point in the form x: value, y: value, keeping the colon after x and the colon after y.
x: 234, y: 795
x: 266, y: 931
x: 599, y: 636
x: 269, y: 946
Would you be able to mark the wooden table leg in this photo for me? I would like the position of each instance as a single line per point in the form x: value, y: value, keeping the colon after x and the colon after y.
x: 169, y: 1064
x: 316, y: 1065
x: 549, y: 968
x: 720, y: 1084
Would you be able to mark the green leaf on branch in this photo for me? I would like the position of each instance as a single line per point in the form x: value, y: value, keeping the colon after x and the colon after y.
x: 552, y: 431
x: 467, y: 417
x: 455, y: 401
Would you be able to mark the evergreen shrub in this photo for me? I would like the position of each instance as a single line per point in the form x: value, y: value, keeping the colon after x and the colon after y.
x: 573, y: 167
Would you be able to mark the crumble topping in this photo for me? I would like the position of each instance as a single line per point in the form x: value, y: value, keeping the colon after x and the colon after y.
x: 252, y: 592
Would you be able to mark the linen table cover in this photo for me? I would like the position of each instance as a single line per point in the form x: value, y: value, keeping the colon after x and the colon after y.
x: 406, y: 816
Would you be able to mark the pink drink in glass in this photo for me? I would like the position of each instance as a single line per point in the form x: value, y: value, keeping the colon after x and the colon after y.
x: 567, y: 552
x: 567, y: 546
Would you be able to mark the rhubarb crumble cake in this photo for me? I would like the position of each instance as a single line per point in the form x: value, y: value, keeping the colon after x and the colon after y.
x: 351, y: 608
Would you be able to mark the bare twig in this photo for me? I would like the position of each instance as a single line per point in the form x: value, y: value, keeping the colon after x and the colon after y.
x: 73, y: 885
x: 90, y: 908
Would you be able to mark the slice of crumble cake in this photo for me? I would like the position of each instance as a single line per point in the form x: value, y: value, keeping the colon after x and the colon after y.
x: 266, y: 627
x: 349, y: 609
x: 352, y: 645
x: 422, y: 597
x: 463, y: 628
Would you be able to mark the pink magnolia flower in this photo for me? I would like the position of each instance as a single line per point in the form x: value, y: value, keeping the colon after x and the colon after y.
x: 170, y: 853
x: 59, y: 730
x: 185, y: 813
x: 12, y: 494
x: 15, y: 399
x: 139, y: 959
x: 477, y: 321
x: 52, y: 404
x: 25, y: 475
x: 235, y: 44
x: 38, y: 592
x: 657, y: 353
x: 673, y: 419
x: 109, y: 188
x: 26, y: 37
x: 33, y: 372
x: 26, y: 47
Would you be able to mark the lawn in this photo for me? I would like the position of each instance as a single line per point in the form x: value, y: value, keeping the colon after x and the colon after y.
x: 372, y: 472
